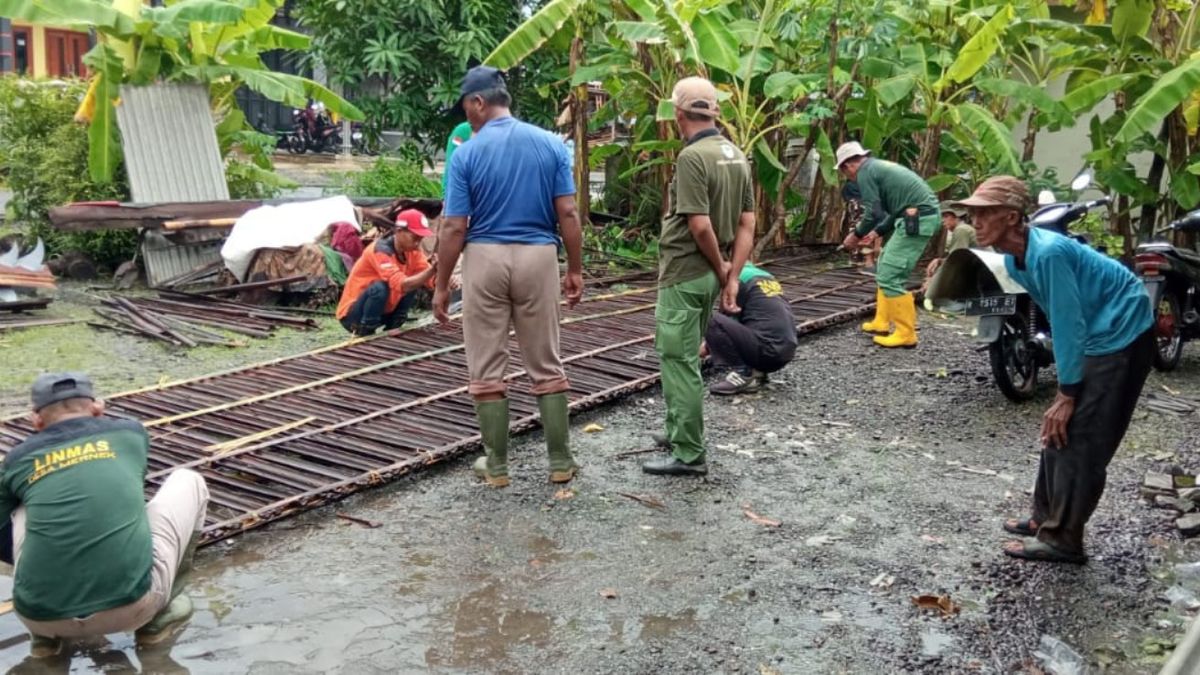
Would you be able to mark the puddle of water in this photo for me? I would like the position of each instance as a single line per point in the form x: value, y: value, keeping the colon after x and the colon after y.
x: 659, y: 626
x: 486, y: 625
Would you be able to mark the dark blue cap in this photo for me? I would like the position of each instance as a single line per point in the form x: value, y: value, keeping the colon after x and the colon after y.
x: 477, y: 79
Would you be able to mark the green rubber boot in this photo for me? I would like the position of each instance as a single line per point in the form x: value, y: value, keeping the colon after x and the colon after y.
x: 42, y: 647
x: 167, y: 622
x: 179, y: 609
x: 555, y: 425
x: 493, y: 429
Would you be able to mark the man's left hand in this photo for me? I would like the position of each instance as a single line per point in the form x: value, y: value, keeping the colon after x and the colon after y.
x: 572, y: 285
x: 870, y: 239
x: 729, y: 297
x: 1055, y: 421
x: 441, y: 306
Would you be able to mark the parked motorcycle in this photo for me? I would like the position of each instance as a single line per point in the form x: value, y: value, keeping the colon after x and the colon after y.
x: 1172, y: 276
x: 1012, y: 328
x: 314, y: 130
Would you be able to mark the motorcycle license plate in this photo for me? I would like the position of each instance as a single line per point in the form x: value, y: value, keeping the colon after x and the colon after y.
x: 991, y: 305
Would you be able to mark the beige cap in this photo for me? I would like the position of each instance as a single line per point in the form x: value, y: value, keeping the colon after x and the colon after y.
x: 696, y: 95
x: 1007, y: 191
x: 848, y: 151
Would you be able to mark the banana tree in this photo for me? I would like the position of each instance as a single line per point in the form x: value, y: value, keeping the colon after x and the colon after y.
x: 215, y: 42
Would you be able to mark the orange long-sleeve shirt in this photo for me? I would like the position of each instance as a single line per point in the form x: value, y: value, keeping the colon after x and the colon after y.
x: 381, y: 261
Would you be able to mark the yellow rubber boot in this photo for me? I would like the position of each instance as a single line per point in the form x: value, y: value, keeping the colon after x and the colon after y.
x: 903, y: 312
x: 881, y: 324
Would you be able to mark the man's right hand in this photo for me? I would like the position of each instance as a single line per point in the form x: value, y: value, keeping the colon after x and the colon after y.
x: 851, y: 241
x: 441, y: 306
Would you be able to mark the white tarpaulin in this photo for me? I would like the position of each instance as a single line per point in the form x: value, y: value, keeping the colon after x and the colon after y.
x: 281, y: 226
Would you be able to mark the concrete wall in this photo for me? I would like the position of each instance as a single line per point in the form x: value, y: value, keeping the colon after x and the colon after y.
x: 1064, y: 150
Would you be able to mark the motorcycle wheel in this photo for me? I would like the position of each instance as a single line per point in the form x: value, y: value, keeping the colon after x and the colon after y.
x: 1168, y: 336
x: 1014, y: 366
x: 297, y: 145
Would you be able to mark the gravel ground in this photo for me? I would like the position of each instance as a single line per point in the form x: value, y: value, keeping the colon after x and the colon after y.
x: 886, y: 467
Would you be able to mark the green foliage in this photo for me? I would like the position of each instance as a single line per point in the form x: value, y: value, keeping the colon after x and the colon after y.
x: 249, y: 181
x: 43, y: 155
x: 216, y: 42
x: 391, y: 178
x: 403, y: 60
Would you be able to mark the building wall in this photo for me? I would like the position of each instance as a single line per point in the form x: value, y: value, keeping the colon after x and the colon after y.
x: 39, y: 66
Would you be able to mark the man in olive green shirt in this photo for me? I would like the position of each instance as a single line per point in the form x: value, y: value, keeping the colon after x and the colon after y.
x: 896, y: 200
x: 91, y: 557
x: 711, y: 207
x: 958, y: 235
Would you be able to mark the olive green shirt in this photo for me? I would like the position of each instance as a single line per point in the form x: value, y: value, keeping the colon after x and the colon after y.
x: 712, y: 177
x: 887, y: 189
x: 963, y: 236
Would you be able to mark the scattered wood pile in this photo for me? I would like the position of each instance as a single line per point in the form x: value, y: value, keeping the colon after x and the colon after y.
x: 188, y: 320
x: 19, y: 314
x: 1170, y: 404
x: 1178, y: 492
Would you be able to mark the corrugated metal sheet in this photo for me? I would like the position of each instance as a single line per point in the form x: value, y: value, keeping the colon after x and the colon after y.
x: 171, y: 155
x: 165, y: 260
x: 171, y: 152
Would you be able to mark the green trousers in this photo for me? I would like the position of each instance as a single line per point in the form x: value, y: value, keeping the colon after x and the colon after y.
x: 901, y: 253
x: 681, y: 319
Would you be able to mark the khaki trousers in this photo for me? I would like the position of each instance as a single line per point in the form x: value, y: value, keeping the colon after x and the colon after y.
x: 175, y: 514
x: 513, y: 284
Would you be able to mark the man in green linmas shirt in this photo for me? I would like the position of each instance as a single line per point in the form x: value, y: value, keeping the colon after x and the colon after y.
x: 91, y: 557
x: 894, y: 200
x: 460, y: 135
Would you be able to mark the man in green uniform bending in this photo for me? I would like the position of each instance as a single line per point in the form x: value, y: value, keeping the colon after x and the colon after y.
x: 711, y: 206
x: 91, y: 557
x: 894, y: 200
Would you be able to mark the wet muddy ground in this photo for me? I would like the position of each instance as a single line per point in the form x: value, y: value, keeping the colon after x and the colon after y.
x: 893, y: 468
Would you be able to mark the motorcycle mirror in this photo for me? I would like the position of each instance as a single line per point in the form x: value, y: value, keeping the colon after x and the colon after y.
x: 1082, y: 181
x: 1046, y: 198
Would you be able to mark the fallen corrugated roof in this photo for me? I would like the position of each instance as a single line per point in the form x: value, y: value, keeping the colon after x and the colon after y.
x: 171, y: 152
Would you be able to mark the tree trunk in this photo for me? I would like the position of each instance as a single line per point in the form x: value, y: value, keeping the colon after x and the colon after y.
x: 579, y: 124
x: 1154, y: 182
x: 1031, y: 131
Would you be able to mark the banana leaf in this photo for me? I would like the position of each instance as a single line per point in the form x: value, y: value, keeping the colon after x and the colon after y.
x: 1083, y: 98
x: 533, y: 33
x: 718, y: 45
x: 993, y: 137
x: 92, y: 13
x: 975, y: 54
x: 1167, y: 94
x: 640, y: 31
x: 104, y: 146
x: 1131, y: 18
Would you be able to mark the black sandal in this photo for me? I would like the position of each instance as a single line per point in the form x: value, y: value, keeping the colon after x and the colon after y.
x: 1023, y: 528
x: 1033, y: 549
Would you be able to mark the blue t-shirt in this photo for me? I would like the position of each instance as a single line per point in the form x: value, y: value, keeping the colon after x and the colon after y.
x: 505, y: 180
x: 1095, y: 304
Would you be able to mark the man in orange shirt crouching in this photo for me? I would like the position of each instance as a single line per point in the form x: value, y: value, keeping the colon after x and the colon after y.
x: 380, y: 289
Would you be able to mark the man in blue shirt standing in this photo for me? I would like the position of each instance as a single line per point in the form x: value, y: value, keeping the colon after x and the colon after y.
x: 1101, y: 319
x: 510, y: 194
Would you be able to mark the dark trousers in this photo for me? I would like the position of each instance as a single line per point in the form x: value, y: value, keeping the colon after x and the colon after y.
x: 1070, y: 480
x: 367, y: 312
x: 733, y: 345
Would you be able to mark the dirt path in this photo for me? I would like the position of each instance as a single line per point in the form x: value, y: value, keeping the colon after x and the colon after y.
x: 893, y: 464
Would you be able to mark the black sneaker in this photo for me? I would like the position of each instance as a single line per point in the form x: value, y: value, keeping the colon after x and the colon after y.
x: 671, y: 466
x: 738, y: 382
